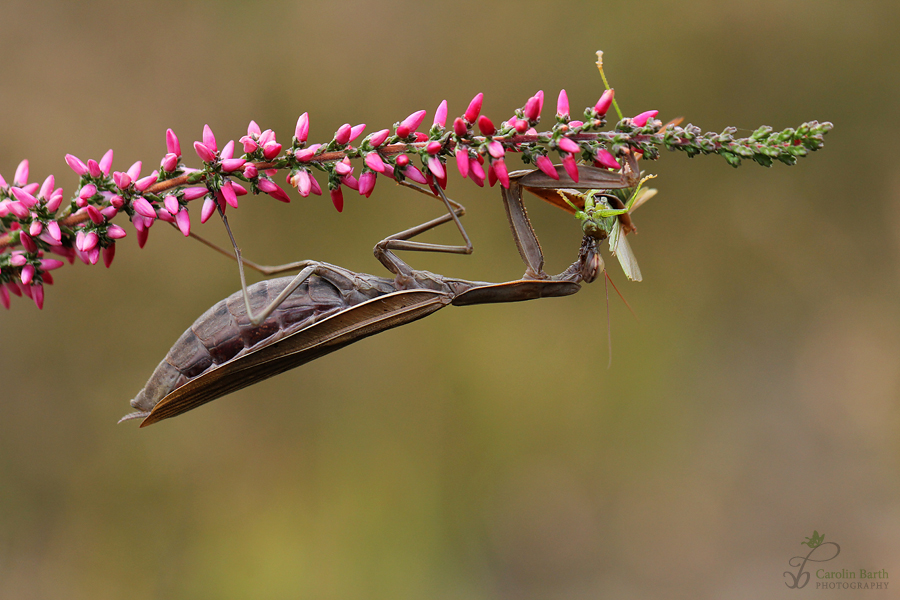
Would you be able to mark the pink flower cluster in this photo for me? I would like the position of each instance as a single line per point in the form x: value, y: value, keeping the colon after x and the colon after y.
x: 32, y: 215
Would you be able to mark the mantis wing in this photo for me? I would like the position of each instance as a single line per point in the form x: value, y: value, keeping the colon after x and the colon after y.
x: 618, y: 245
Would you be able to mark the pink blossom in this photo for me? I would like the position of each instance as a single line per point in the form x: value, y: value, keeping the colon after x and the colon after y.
x: 144, y: 183
x: 27, y: 242
x: 35, y: 229
x: 440, y: 115
x: 37, y: 294
x: 163, y: 215
x: 356, y: 131
x: 183, y: 221
x: 205, y: 154
x: 436, y: 167
x: 337, y: 198
x: 410, y: 123
x: 606, y: 159
x: 109, y: 212
x: 571, y: 167
x: 109, y: 253
x: 374, y: 162
x: 532, y: 109
x: 476, y: 172
x: 18, y: 259
x: 249, y: 143
x: 228, y: 150
x: 94, y: 214
x: 433, y: 147
x: 74, y: 162
x: 250, y: 171
x: 233, y: 164
x: 209, y: 207
x: 169, y: 162
x: 86, y: 192
x: 402, y: 160
x: 302, y: 130
x: 413, y: 172
x: 367, y: 183
x: 351, y: 182
x: 546, y: 165
x: 271, y: 188
x: 343, y: 167
x: 18, y: 209
x: 54, y: 231
x: 106, y: 162
x: 93, y: 168
x: 173, y: 146
x: 209, y: 140
x: 474, y: 108
x: 47, y: 188
x: 143, y: 207
x: 604, y: 102
x: 567, y: 145
x: 271, y: 150
x: 459, y: 127
x: 641, y: 119
x: 171, y: 204
x: 90, y: 241
x: 27, y: 274
x: 520, y: 125
x: 302, y: 182
x: 192, y: 193
x: 462, y: 161
x: 54, y: 203
x: 253, y: 129
x: 122, y: 180
x: 21, y: 176
x: 496, y: 149
x: 562, y: 105
x: 229, y: 195
x: 379, y: 137
x: 27, y: 199
x: 499, y: 168
x: 314, y: 186
x: 342, y: 135
x: 239, y: 190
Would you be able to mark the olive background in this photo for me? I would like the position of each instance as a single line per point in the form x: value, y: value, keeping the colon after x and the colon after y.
x: 487, y: 451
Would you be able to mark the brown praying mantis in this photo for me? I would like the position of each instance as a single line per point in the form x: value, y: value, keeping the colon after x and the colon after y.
x: 278, y: 324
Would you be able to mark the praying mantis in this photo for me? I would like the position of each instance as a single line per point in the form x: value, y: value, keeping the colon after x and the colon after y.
x: 279, y: 324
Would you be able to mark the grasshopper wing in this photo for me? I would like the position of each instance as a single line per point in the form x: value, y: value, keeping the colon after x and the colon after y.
x: 618, y: 245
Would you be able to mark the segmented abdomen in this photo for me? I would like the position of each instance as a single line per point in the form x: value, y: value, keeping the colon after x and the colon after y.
x: 224, y: 333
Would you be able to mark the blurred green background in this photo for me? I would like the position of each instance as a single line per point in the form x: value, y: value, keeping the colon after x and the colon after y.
x: 484, y: 452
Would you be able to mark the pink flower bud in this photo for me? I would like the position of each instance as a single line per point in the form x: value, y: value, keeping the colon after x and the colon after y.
x: 37, y: 294
x: 93, y: 168
x: 94, y: 214
x: 540, y: 100
x: 74, y: 162
x: 35, y: 229
x: 47, y: 188
x: 567, y: 145
x: 356, y: 131
x: 142, y: 235
x: 412, y: 122
x: 171, y: 204
x: 239, y: 190
x: 314, y: 186
x: 143, y: 207
x: 571, y: 167
x: 122, y: 180
x: 134, y: 171
x: 474, y: 108
x: 250, y: 171
x: 462, y: 161
x: 485, y: 126
x: 183, y: 221
x: 343, y: 167
x: 436, y: 167
x: 604, y: 102
x: 27, y: 199
x: 163, y: 215
x: 302, y: 130
x: 440, y: 115
x: 115, y: 232
x: 233, y: 164
x: 86, y: 192
x: 173, y: 146
x: 205, y: 154
x: 109, y: 253
x: 230, y: 196
x: 476, y: 171
x: 302, y: 181
x: 27, y: 242
x: 402, y: 160
x: 342, y: 135
x: 532, y: 110
x: 379, y: 137
x: 209, y: 207
x: 562, y: 104
x: 106, y: 162
x: 374, y: 162
x: 433, y: 147
x: 18, y: 260
x: 337, y: 198
x: 459, y: 127
x: 271, y: 188
x: 367, y: 183
x: 576, y: 123
x: 413, y: 172
x: 499, y: 168
x: 54, y: 231
x: 521, y: 126
x: 90, y: 241
x: 641, y: 119
x: 192, y: 193
x: 351, y: 182
x: 253, y: 129
x: 496, y: 149
x: 605, y: 158
x: 109, y: 212
x: 271, y: 150
x: 19, y: 209
x: 50, y: 264
x: 209, y: 140
x: 249, y: 143
x: 492, y: 176
x: 27, y: 274
x: 144, y: 183
x: 169, y: 162
x: 54, y: 203
x: 21, y: 176
x: 546, y: 165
